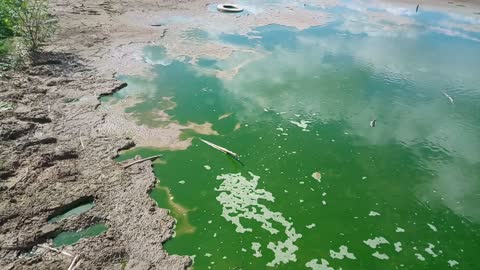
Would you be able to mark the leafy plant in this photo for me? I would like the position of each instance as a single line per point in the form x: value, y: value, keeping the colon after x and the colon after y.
x: 33, y: 22
x: 6, y: 20
x: 27, y: 19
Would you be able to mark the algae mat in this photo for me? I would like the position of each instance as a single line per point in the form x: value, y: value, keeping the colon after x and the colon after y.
x: 320, y: 188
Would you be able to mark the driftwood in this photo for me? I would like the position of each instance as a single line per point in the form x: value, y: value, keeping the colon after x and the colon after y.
x: 140, y: 160
x: 56, y: 250
x: 221, y: 149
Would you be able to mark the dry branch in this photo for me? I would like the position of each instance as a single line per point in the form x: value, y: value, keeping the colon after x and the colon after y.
x: 140, y: 160
x: 73, y: 263
x: 56, y: 250
x: 221, y: 149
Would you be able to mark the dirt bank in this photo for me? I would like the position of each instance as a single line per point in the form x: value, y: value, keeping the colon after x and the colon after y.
x: 54, y: 155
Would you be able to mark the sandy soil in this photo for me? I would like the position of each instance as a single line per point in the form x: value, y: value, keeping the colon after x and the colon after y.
x: 57, y: 145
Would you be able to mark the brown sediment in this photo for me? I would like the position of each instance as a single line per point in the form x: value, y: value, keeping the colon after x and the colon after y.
x: 157, y: 131
x: 180, y: 213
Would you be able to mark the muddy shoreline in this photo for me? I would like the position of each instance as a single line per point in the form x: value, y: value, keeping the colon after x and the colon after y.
x: 57, y: 147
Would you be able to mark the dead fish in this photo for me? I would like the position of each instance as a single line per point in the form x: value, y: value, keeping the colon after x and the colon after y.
x: 417, y: 8
x: 373, y: 123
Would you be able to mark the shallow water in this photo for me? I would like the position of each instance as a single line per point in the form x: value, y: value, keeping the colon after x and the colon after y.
x: 319, y: 186
x: 70, y: 238
x: 73, y: 212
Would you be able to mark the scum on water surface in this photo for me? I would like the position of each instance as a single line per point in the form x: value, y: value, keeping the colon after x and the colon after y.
x: 319, y: 187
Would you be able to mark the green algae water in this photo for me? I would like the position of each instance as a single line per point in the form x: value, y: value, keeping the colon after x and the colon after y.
x: 317, y: 186
x: 69, y: 238
x: 73, y: 212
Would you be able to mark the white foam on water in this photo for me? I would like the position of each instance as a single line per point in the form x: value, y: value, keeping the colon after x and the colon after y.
x: 380, y: 256
x: 432, y: 227
x: 311, y: 226
x: 208, y: 168
x: 244, y: 250
x: 192, y: 257
x: 301, y: 201
x: 181, y: 182
x: 373, y: 243
x: 280, y: 129
x: 209, y: 222
x: 399, y: 230
x: 302, y: 124
x: 324, y: 194
x: 324, y: 202
x: 452, y: 263
x: 317, y: 176
x: 419, y: 257
x: 398, y: 246
x: 256, y: 248
x: 364, y: 177
x: 373, y: 214
x: 429, y: 250
x: 313, y: 264
x: 240, y: 197
x: 208, y: 255
x: 342, y: 253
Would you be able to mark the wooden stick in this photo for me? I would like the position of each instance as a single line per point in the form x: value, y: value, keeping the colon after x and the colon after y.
x: 140, y: 160
x: 73, y: 263
x: 81, y: 142
x: 56, y: 250
x: 221, y: 149
x: 77, y: 264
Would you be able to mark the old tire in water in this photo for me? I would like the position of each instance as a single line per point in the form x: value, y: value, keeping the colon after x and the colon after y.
x: 229, y: 8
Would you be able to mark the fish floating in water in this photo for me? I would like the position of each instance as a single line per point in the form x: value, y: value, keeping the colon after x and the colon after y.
x: 416, y: 10
x: 373, y: 123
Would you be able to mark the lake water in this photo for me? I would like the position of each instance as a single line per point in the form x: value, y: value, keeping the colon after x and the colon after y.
x: 319, y: 188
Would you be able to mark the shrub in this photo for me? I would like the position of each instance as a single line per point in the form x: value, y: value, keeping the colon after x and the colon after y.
x: 33, y: 22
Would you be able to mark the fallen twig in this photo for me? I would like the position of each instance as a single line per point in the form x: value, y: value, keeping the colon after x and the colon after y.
x: 221, y: 149
x: 77, y: 264
x: 140, y: 160
x: 56, y: 250
x: 73, y: 263
x: 81, y: 142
